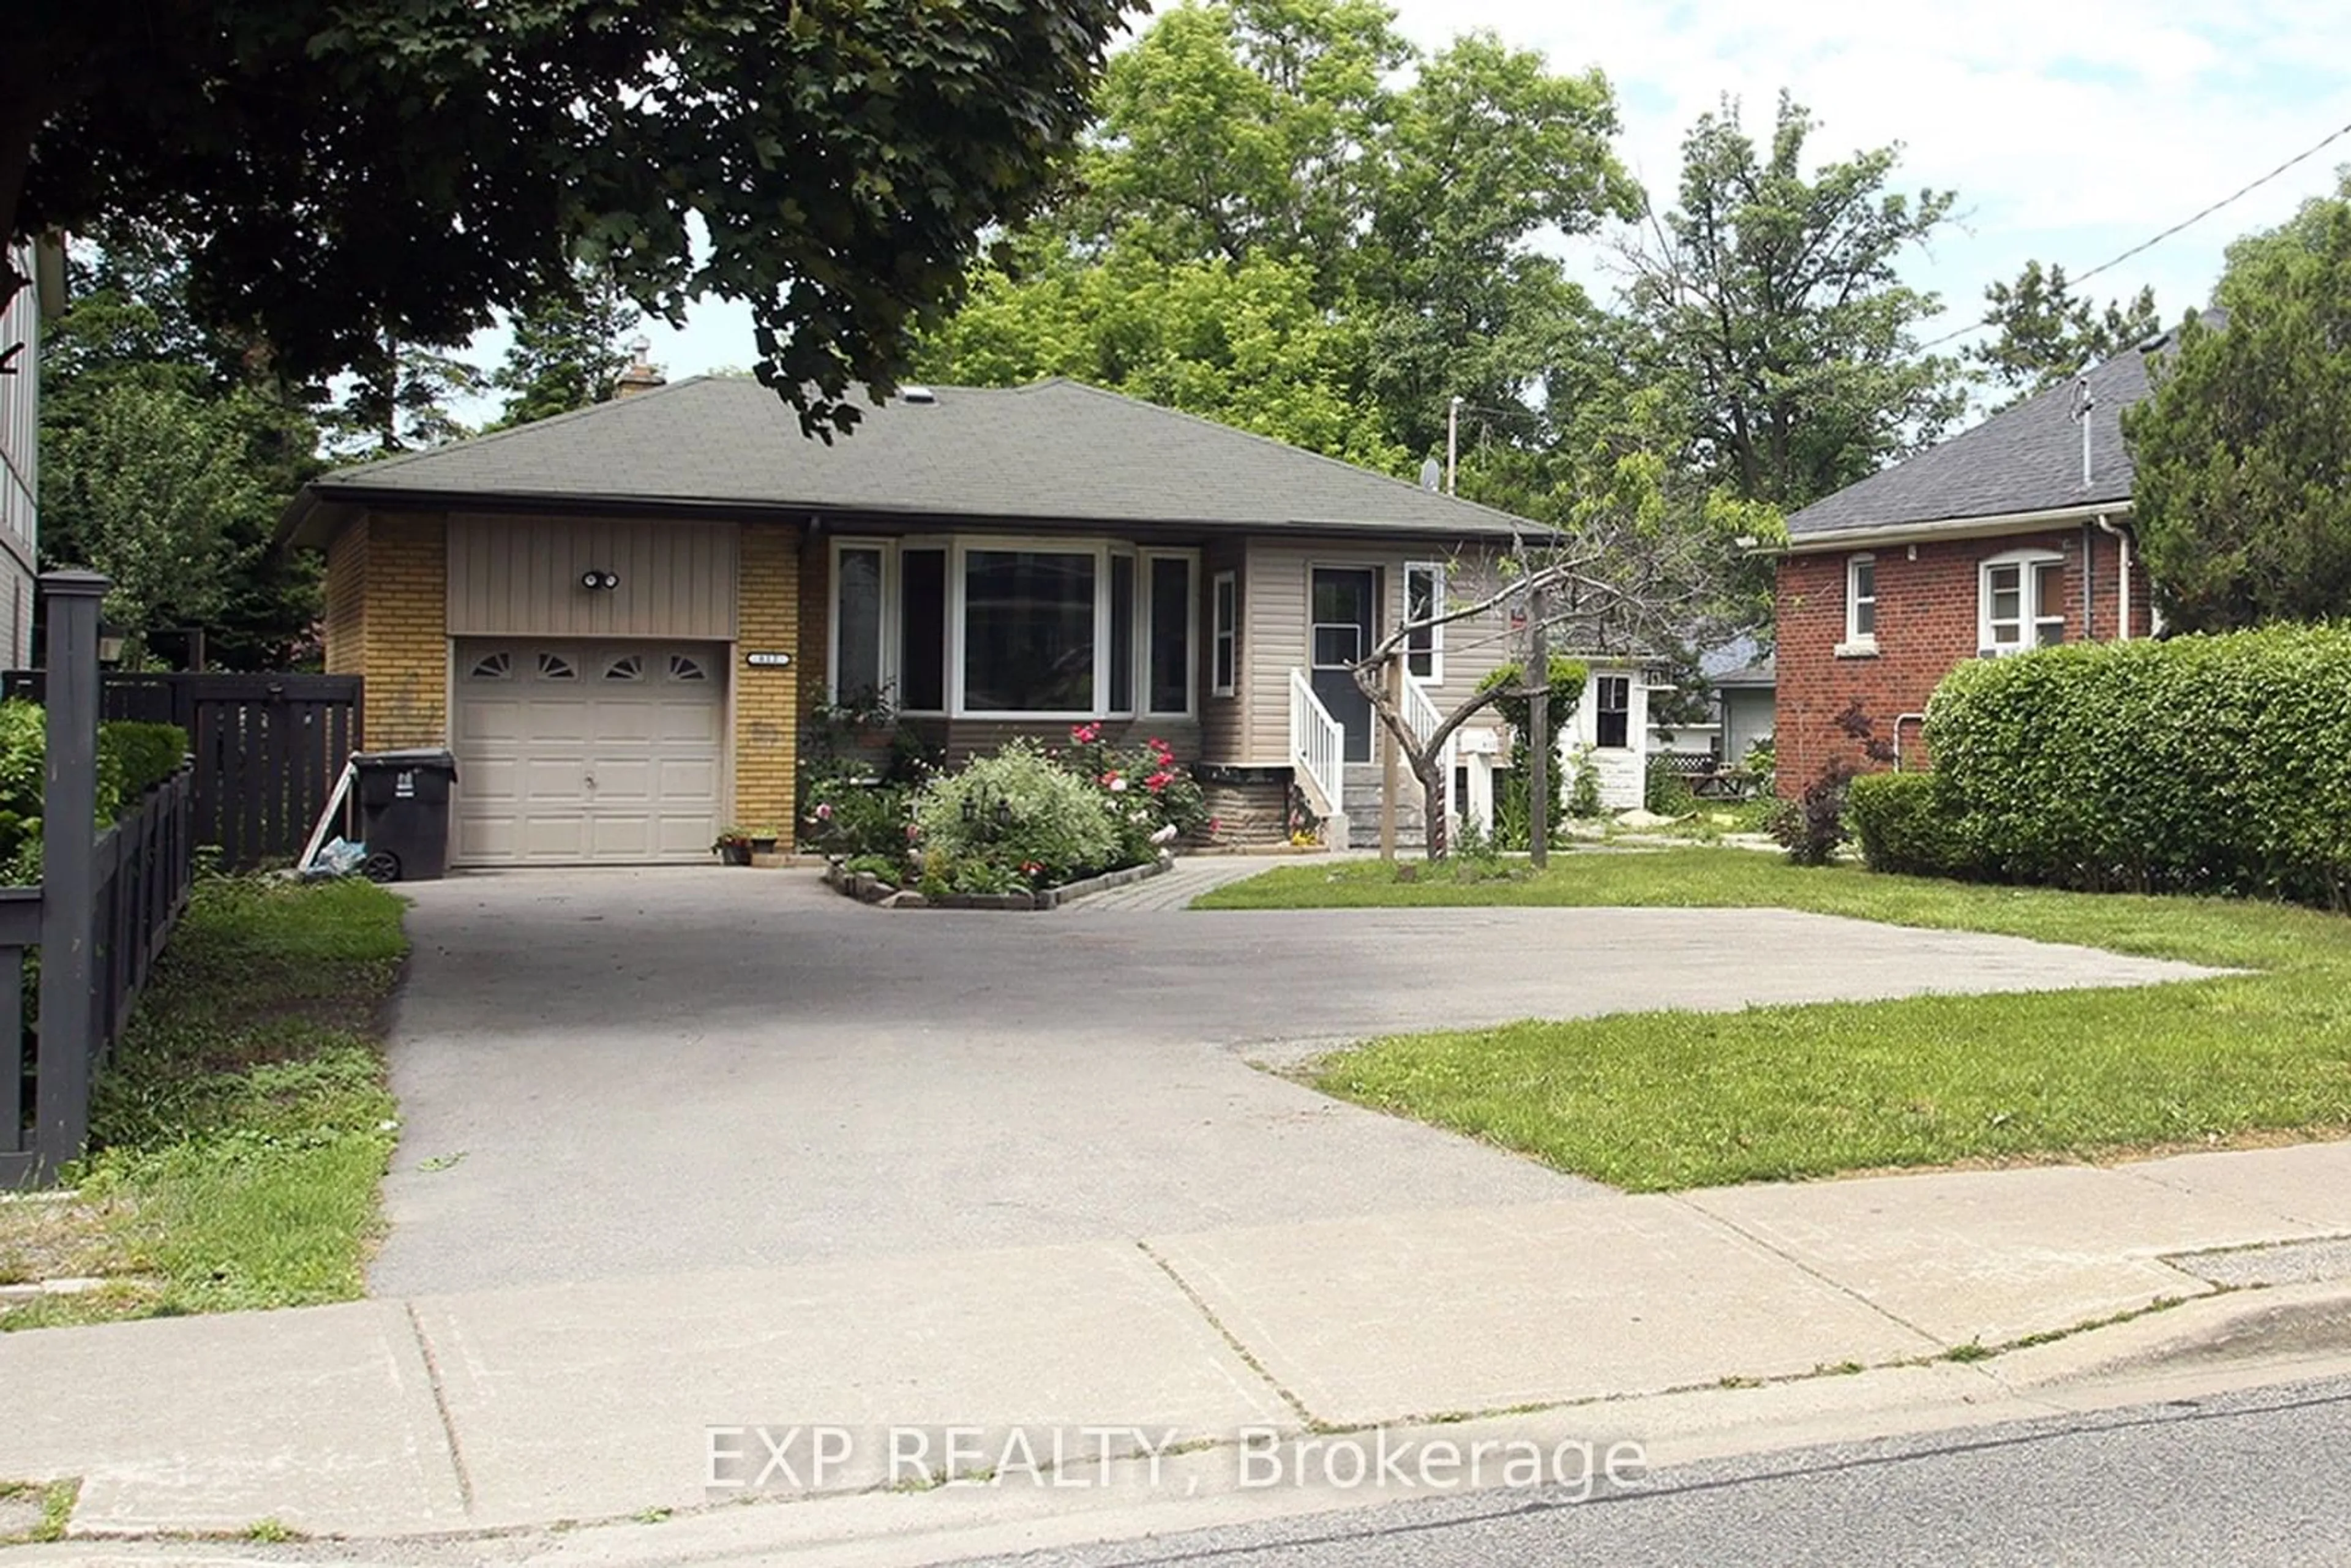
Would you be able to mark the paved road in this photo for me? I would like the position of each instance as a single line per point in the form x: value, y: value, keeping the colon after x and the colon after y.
x: 629, y: 1074
x: 2248, y: 1480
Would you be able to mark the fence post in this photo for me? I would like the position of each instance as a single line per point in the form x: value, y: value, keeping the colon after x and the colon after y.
x: 68, y: 887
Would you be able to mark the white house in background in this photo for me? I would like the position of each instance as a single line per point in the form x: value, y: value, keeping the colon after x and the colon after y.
x: 20, y: 432
x: 1609, y: 733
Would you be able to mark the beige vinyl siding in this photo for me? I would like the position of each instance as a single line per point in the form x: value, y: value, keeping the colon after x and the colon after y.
x: 1474, y: 648
x: 1273, y: 621
x: 1223, y: 719
x: 519, y: 576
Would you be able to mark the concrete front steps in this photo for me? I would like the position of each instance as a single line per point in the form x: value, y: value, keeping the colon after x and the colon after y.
x: 1362, y: 803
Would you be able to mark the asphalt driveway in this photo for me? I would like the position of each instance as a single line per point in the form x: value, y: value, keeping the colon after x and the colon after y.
x: 628, y: 1072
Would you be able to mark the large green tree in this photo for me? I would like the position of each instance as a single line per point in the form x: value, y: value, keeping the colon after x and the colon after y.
x: 345, y: 173
x: 1406, y: 188
x: 1241, y: 342
x: 2242, y: 501
x: 2047, y: 332
x: 567, y: 351
x: 1775, y: 300
x: 166, y: 458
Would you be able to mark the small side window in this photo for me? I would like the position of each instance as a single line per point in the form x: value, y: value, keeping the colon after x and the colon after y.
x: 1613, y: 711
x: 628, y: 667
x: 1861, y: 599
x: 1224, y: 616
x: 686, y: 667
x: 498, y: 666
x: 556, y: 667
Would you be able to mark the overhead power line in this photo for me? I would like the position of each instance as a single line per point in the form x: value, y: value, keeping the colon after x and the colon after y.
x: 2187, y: 223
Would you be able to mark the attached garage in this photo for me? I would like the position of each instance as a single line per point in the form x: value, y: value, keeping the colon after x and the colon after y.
x: 573, y: 752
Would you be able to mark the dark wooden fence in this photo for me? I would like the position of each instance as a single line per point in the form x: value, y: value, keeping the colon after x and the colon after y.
x: 267, y: 749
x: 107, y: 903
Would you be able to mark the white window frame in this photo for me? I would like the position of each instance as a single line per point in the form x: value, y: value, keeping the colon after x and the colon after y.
x: 1138, y: 584
x: 1435, y: 569
x: 1599, y: 707
x: 2030, y: 613
x: 886, y: 661
x: 1858, y: 640
x: 1225, y: 632
x: 958, y: 548
x: 894, y: 636
x: 1145, y: 602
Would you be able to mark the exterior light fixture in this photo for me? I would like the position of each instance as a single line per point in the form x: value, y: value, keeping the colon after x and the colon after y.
x: 600, y: 581
x: 110, y: 643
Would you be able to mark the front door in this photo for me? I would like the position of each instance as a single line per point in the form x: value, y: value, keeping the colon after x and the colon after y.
x: 1341, y: 628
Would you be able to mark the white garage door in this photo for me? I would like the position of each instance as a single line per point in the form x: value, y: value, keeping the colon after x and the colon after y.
x: 578, y: 753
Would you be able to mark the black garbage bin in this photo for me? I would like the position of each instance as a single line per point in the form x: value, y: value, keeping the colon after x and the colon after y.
x: 403, y: 809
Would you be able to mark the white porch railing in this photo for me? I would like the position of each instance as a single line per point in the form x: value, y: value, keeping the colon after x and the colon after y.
x: 1420, y: 713
x: 1318, y: 744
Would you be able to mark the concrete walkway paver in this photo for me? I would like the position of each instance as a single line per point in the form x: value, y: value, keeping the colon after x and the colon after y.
x: 1382, y: 1318
x: 1187, y: 879
x: 1991, y: 1256
x: 587, y: 1402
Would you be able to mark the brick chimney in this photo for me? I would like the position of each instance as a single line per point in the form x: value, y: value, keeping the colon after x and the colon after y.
x: 639, y: 376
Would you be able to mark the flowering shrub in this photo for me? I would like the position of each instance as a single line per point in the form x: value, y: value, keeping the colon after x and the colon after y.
x: 1152, y: 798
x: 1018, y: 818
x: 849, y: 815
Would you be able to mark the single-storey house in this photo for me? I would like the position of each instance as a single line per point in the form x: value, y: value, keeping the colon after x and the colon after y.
x: 2014, y: 534
x: 621, y: 620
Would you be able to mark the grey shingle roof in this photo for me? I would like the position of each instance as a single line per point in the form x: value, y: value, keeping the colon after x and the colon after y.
x: 2027, y: 458
x: 1054, y: 450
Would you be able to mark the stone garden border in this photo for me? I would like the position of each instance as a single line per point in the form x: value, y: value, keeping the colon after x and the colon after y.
x: 867, y: 888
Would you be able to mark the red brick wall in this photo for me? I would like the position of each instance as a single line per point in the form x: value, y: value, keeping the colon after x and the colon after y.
x: 1927, y: 622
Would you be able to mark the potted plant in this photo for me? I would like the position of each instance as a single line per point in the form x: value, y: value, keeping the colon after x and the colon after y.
x: 764, y: 838
x: 733, y: 846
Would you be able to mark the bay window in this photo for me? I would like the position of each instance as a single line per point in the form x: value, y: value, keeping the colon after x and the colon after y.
x: 1014, y: 628
x: 923, y: 629
x: 1028, y: 626
x: 857, y: 574
x: 1168, y: 656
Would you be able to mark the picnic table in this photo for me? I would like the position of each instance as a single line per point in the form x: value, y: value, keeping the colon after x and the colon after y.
x: 1707, y: 777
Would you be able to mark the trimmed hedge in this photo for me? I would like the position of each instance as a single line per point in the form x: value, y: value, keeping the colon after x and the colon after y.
x: 2213, y: 764
x: 1907, y: 825
x: 132, y: 758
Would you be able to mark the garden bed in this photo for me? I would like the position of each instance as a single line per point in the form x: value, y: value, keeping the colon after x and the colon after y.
x: 868, y: 888
x: 1026, y: 827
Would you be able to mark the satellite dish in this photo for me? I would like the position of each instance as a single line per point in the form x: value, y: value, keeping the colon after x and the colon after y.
x: 1429, y: 475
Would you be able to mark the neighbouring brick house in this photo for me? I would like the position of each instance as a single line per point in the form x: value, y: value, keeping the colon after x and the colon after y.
x: 2011, y: 535
x: 622, y: 620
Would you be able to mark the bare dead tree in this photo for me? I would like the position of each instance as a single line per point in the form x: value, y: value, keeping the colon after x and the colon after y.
x: 1614, y: 588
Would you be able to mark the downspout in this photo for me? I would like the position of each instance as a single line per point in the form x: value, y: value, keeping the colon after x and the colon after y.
x: 2089, y: 576
x: 1899, y: 720
x: 2122, y: 580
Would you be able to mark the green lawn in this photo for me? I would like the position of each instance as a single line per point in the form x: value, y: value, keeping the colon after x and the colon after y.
x: 1668, y: 1100
x: 243, y: 1125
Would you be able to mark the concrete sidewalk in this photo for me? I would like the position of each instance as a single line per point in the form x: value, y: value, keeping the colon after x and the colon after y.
x: 520, y: 1408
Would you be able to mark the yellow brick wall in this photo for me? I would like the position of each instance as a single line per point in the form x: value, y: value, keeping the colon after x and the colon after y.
x: 346, y: 621
x: 406, y: 631
x: 816, y: 588
x: 767, y: 701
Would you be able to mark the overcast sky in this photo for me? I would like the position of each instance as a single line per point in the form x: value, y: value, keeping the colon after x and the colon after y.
x: 2070, y: 129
